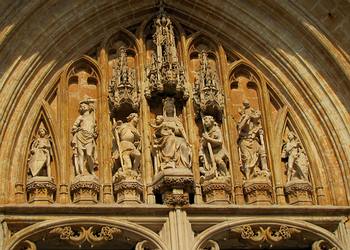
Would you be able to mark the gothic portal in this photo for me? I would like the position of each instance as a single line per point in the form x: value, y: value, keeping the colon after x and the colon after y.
x: 174, y: 125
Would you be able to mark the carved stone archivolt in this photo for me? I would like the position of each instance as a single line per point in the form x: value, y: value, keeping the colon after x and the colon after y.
x: 165, y: 74
x: 265, y: 237
x: 298, y: 187
x: 91, y: 236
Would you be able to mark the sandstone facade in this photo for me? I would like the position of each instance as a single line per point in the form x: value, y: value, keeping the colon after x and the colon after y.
x: 174, y: 125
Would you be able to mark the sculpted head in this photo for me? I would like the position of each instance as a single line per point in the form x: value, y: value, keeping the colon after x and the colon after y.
x: 246, y: 104
x: 85, y: 105
x: 133, y: 117
x: 291, y: 135
x: 159, y: 119
x: 42, y: 132
x: 208, y: 121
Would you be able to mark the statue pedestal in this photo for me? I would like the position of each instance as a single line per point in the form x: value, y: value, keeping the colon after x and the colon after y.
x: 127, y: 188
x: 258, y: 191
x: 85, y: 189
x: 217, y: 191
x: 175, y: 185
x: 41, y: 190
x: 299, y: 192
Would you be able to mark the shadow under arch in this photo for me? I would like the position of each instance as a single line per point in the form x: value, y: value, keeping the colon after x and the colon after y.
x: 320, y: 232
x: 44, y: 226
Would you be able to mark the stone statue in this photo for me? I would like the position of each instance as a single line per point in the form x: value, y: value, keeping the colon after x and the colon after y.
x: 297, y: 164
x: 40, y: 155
x: 127, y: 155
x: 213, y: 155
x: 251, y: 142
x: 171, y: 148
x: 84, y: 139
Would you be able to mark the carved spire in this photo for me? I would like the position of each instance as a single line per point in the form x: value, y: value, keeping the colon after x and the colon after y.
x: 165, y: 75
x: 208, y: 98
x: 123, y: 90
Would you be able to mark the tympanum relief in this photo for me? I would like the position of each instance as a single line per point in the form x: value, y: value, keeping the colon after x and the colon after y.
x: 160, y: 145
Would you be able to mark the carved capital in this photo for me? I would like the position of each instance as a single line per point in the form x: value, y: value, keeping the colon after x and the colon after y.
x: 41, y: 190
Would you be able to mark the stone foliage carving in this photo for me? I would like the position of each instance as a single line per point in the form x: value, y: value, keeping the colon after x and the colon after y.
x: 84, y: 139
x: 165, y: 75
x: 297, y: 162
x: 251, y: 143
x: 208, y: 98
x: 40, y: 155
x: 265, y: 237
x: 92, y: 236
x: 26, y: 245
x: 213, y: 155
x: 171, y: 148
x: 128, y: 153
x: 322, y: 245
x: 123, y: 89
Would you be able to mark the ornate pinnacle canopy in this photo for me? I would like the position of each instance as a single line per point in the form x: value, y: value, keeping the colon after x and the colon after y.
x: 208, y: 98
x: 165, y: 75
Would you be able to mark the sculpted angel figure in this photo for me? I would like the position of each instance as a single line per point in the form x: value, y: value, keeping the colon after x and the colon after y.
x: 213, y: 155
x: 40, y: 155
x: 297, y: 164
x: 250, y: 142
x: 127, y: 137
x: 84, y: 139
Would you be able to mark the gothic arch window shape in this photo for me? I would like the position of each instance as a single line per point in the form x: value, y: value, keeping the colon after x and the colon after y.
x: 40, y: 173
x: 94, y: 232
x: 294, y: 141
x: 248, y: 107
x: 275, y: 233
x: 81, y: 80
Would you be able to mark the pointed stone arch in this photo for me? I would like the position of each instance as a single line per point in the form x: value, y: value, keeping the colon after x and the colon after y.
x: 315, y: 232
x: 143, y: 235
x: 43, y: 117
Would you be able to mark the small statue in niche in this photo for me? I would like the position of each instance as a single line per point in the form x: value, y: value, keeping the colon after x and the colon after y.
x: 251, y: 143
x: 171, y: 148
x: 127, y: 154
x: 84, y: 139
x: 213, y: 155
x: 297, y: 164
x: 40, y: 155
